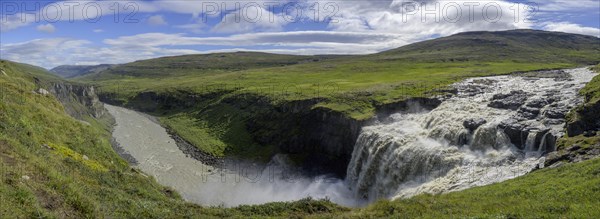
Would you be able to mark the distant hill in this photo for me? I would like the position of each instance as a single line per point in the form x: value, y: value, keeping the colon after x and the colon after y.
x: 521, y: 46
x: 512, y: 45
x: 71, y: 71
x: 207, y: 63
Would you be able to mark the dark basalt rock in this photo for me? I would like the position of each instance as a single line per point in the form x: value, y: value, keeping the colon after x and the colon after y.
x: 587, y: 118
x: 537, y: 103
x: 555, y: 113
x: 512, y: 100
x: 589, y: 133
x: 553, y: 121
x: 473, y: 124
x: 529, y: 112
x: 556, y: 74
x: 518, y: 133
x: 515, y: 132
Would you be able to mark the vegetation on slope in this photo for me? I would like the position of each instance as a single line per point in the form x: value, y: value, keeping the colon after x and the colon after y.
x: 71, y: 71
x: 204, y: 64
x: 514, y: 45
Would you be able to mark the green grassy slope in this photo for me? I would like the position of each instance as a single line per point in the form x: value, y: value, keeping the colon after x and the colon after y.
x: 202, y: 64
x: 71, y: 71
x: 514, y: 45
x: 55, y: 181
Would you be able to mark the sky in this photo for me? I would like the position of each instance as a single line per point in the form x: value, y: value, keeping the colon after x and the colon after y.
x: 53, y: 33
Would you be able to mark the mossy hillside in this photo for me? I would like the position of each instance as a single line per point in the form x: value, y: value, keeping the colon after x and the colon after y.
x: 43, y: 169
x: 591, y: 91
x: 218, y: 129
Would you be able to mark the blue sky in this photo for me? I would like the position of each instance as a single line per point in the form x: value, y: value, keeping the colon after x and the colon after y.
x: 52, y: 33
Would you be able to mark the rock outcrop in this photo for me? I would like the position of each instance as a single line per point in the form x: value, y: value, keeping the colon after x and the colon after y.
x: 79, y: 100
x: 473, y: 124
x: 512, y: 100
x: 572, y: 154
x: 585, y: 118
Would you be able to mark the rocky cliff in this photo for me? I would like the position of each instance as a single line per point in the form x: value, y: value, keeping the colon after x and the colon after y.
x: 79, y: 101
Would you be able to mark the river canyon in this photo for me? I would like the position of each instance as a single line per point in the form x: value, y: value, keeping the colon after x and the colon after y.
x: 492, y: 129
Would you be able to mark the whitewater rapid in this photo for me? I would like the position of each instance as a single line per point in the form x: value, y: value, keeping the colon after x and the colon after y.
x: 434, y: 151
x: 157, y: 155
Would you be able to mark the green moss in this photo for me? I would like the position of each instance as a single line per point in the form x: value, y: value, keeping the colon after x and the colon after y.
x: 580, y: 140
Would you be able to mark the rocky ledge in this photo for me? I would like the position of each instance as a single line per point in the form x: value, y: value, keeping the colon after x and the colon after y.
x: 573, y: 154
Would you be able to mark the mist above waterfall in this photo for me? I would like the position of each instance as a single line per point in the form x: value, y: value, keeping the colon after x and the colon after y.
x: 494, y: 129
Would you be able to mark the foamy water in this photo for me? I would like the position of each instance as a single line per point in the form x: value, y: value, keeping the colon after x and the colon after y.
x: 432, y: 152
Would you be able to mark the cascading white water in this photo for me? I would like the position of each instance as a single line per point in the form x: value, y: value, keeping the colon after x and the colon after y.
x: 434, y: 152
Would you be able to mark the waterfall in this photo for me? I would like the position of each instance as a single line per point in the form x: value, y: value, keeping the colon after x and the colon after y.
x: 530, y: 142
x: 542, y: 147
x: 467, y: 141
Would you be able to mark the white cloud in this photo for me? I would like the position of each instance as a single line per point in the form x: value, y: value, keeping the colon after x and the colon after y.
x: 572, y: 28
x: 250, y: 20
x: 566, y: 5
x: 157, y: 20
x: 46, y: 52
x: 197, y: 27
x: 320, y: 39
x: 48, y: 28
x: 73, y: 10
x: 427, y: 18
x: 98, y: 30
